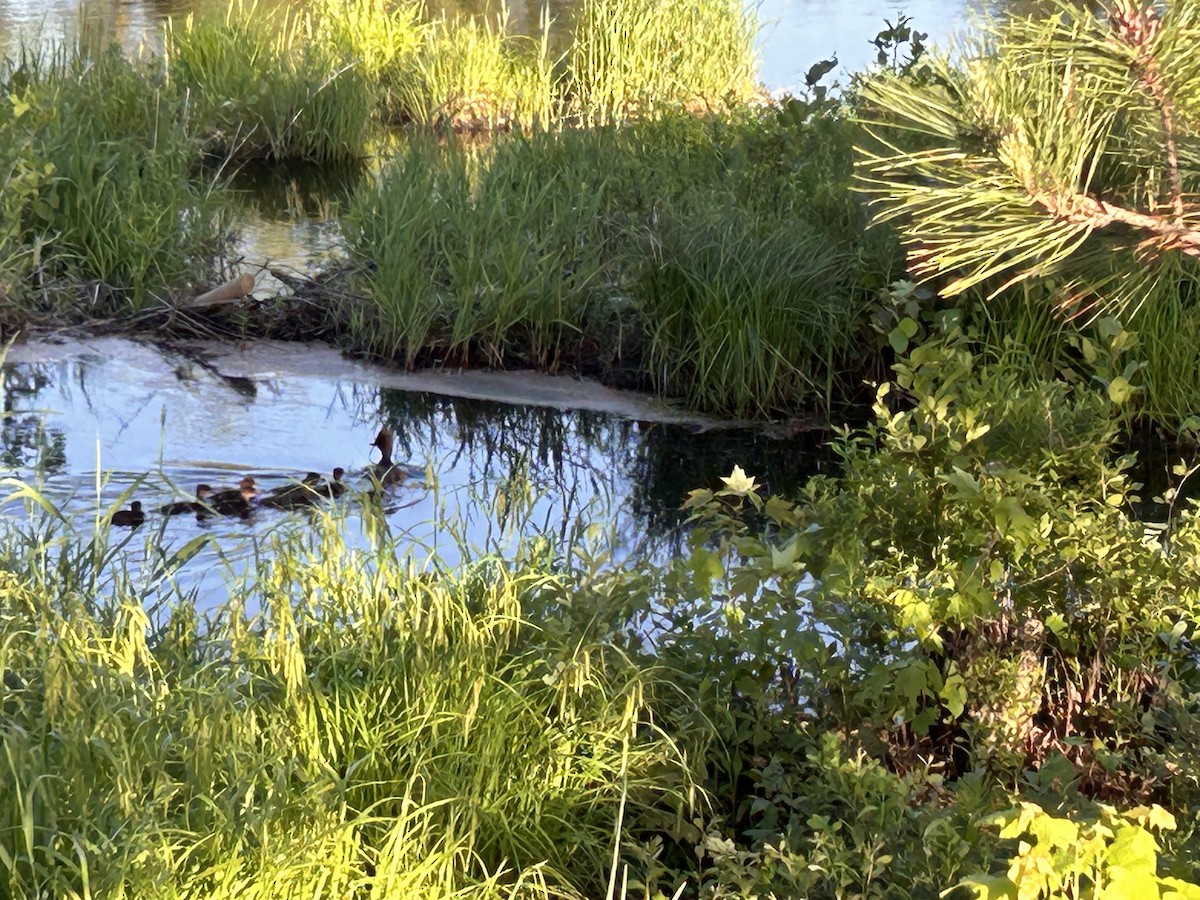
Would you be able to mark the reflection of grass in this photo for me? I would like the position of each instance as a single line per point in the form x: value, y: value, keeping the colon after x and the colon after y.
x: 411, y: 735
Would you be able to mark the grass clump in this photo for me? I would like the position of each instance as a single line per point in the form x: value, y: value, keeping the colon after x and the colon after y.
x: 374, y: 729
x: 723, y: 260
x: 474, y: 75
x: 259, y: 85
x: 743, y: 315
x: 102, y: 210
x: 475, y: 259
x: 628, y: 58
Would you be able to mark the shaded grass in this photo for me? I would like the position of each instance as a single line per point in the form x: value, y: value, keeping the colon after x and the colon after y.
x: 744, y: 316
x: 373, y: 729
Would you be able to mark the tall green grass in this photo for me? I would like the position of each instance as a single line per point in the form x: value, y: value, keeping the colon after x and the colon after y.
x: 472, y: 74
x: 476, y: 259
x: 724, y: 259
x: 629, y: 57
x: 745, y: 316
x: 277, y: 86
x: 307, y: 84
x: 344, y: 725
x: 102, y: 209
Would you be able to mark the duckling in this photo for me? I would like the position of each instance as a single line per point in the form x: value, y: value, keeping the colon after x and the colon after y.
x: 335, y: 488
x: 132, y: 517
x: 234, y: 501
x: 188, y: 506
x: 302, y: 494
x: 385, y: 471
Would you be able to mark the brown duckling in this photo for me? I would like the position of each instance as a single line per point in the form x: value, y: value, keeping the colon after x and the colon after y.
x: 302, y: 494
x: 385, y: 471
x: 132, y: 517
x: 335, y: 488
x: 188, y: 506
x: 234, y: 501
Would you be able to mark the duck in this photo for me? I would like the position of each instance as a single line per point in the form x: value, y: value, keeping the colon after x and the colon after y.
x: 335, y: 488
x: 132, y: 517
x: 188, y: 506
x: 234, y: 501
x: 302, y: 494
x: 385, y: 471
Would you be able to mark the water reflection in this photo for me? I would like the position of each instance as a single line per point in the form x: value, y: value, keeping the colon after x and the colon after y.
x: 118, y: 420
x: 795, y: 34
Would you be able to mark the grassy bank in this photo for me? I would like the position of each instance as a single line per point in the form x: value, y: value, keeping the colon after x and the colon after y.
x: 373, y: 729
x: 102, y: 212
x: 840, y: 692
x: 720, y: 259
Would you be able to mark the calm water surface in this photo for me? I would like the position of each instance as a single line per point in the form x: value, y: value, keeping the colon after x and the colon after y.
x: 88, y: 421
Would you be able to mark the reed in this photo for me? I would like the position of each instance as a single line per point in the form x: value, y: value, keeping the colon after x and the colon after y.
x: 477, y: 259
x: 745, y: 317
x: 628, y: 58
x: 102, y: 209
x: 473, y: 74
x: 278, y: 86
x: 343, y: 725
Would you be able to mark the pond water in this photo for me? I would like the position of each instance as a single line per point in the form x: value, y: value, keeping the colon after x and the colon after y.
x: 502, y: 454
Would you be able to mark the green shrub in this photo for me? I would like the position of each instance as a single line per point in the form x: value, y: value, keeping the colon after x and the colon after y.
x: 970, y: 603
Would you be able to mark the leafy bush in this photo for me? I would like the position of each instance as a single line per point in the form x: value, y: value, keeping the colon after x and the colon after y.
x: 969, y: 605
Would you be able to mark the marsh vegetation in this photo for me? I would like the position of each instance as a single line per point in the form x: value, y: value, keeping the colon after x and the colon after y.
x: 963, y: 662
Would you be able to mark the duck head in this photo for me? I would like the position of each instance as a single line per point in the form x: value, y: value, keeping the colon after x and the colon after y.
x: 385, y: 442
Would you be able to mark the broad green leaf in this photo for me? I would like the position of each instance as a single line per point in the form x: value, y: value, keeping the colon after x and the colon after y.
x: 1133, y: 849
x: 1119, y: 390
x: 1126, y: 884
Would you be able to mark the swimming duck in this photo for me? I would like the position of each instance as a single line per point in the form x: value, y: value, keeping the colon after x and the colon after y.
x: 335, y: 488
x: 234, y: 501
x: 385, y: 471
x: 132, y: 517
x: 302, y: 494
x: 188, y: 506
